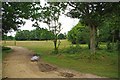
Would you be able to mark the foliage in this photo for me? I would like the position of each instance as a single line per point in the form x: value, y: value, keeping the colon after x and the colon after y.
x: 92, y: 15
x: 5, y: 51
x: 72, y: 49
x: 13, y: 14
x: 22, y: 35
x: 37, y: 34
x: 5, y: 37
x: 61, y: 36
x: 78, y: 34
x: 50, y: 16
x: 5, y: 48
x: 109, y: 30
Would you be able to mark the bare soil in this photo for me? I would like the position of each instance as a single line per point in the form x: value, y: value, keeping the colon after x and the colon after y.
x: 17, y: 64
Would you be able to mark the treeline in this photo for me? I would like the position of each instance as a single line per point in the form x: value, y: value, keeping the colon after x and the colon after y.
x: 36, y: 34
x: 5, y: 37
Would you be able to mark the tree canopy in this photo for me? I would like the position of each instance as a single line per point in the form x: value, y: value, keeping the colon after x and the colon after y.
x: 79, y: 34
x: 36, y: 34
x: 93, y: 15
x: 13, y: 14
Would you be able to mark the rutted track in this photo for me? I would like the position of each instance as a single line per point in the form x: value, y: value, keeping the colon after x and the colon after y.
x: 18, y: 65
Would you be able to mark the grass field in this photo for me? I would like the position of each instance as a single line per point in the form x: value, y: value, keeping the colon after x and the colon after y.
x: 104, y: 63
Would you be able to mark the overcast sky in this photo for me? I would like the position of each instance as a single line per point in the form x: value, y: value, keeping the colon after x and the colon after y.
x: 67, y: 24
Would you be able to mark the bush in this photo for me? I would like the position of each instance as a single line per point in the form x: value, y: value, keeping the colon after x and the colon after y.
x: 113, y: 46
x: 117, y: 46
x: 72, y: 49
x: 109, y: 46
x: 5, y: 48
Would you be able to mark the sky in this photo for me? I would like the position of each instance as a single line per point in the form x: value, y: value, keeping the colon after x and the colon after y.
x: 67, y: 23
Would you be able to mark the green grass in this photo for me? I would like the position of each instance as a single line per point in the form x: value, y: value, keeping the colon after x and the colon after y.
x: 104, y: 63
x: 84, y: 66
x: 107, y: 66
x: 5, y: 51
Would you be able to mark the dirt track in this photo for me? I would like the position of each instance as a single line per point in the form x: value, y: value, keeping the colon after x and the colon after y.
x: 18, y: 65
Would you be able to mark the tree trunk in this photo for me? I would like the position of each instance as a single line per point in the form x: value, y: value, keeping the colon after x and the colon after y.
x: 92, y: 39
x: 97, y: 38
x: 15, y: 42
x: 55, y: 43
x: 4, y: 41
x: 88, y: 45
x: 113, y: 40
x: 55, y: 46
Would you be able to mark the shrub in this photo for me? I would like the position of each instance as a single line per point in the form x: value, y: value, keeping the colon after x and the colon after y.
x: 72, y: 49
x: 5, y: 48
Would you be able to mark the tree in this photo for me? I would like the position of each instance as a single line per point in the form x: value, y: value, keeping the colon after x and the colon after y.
x: 36, y: 34
x: 61, y: 36
x: 92, y: 15
x: 79, y: 34
x: 51, y: 13
x: 110, y: 30
x: 13, y: 14
x: 23, y: 35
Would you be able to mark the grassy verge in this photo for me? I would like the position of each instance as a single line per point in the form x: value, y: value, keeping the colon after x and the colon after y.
x: 5, y: 51
x: 102, y: 67
x: 104, y: 63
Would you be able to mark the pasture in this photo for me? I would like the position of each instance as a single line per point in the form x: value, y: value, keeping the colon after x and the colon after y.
x: 103, y: 63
